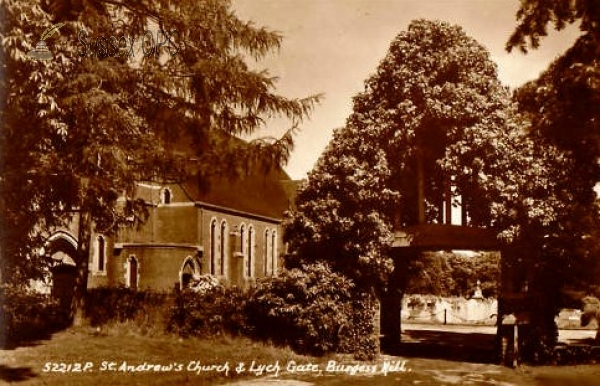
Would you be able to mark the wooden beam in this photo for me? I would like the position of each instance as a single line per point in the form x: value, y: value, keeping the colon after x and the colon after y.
x: 444, y: 237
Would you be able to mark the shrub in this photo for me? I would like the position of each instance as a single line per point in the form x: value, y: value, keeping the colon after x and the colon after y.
x: 576, y: 355
x: 360, y: 339
x: 591, y: 311
x: 539, y: 338
x: 119, y: 305
x: 315, y: 311
x: 27, y: 314
x: 214, y: 311
x: 203, y: 283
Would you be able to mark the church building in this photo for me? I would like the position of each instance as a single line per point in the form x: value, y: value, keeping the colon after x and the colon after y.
x: 231, y: 229
x: 228, y: 227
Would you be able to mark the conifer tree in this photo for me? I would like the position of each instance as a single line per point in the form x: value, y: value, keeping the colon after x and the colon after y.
x: 80, y: 129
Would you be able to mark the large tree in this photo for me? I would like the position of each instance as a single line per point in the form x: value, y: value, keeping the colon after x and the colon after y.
x: 563, y: 102
x: 434, y: 107
x: 433, y: 115
x: 562, y: 105
x: 80, y: 129
x: 534, y: 16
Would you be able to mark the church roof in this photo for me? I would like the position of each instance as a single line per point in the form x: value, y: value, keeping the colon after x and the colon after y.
x: 257, y: 190
x: 256, y: 193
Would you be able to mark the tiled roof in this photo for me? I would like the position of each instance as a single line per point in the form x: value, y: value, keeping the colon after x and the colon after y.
x: 255, y: 193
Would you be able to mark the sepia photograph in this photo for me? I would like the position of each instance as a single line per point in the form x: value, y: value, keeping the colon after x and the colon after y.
x: 299, y: 193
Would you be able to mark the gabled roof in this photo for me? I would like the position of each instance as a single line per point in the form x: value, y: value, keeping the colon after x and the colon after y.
x: 256, y: 193
x: 257, y: 190
x: 291, y: 190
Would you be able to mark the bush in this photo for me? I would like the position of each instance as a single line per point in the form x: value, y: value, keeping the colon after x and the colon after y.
x: 312, y: 310
x: 118, y: 305
x: 360, y: 339
x: 591, y: 309
x: 203, y: 283
x: 315, y: 311
x: 216, y: 310
x: 27, y: 315
x: 576, y: 355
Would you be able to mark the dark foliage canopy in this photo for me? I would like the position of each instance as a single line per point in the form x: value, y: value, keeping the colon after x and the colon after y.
x: 77, y: 131
x: 434, y: 97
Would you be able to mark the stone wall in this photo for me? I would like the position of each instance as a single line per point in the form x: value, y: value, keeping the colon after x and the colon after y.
x: 455, y: 310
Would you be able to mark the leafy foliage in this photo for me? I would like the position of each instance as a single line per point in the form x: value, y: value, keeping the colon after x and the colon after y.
x: 450, y: 274
x: 216, y: 311
x: 591, y: 311
x: 562, y: 108
x: 434, y: 105
x: 534, y: 16
x: 118, y: 305
x: 79, y: 131
x: 315, y: 311
x: 26, y: 314
x: 434, y: 111
x: 203, y: 283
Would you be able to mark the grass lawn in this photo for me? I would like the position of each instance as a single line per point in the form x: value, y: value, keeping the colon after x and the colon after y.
x: 108, y: 355
x: 105, y: 358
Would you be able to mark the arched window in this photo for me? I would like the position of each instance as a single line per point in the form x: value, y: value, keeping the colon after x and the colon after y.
x: 224, y: 245
x: 213, y: 246
x: 243, y: 240
x: 166, y: 196
x: 189, y: 270
x: 100, y: 253
x: 250, y: 257
x: 274, y: 252
x: 132, y: 272
x: 268, y: 265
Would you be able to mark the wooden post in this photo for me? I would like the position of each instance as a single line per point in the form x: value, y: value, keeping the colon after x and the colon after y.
x: 448, y: 202
x: 420, y: 189
x: 464, y: 214
x: 516, y: 345
x: 503, y: 349
x: 391, y: 304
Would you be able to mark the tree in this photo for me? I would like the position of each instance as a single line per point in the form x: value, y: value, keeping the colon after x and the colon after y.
x: 454, y: 274
x: 79, y: 130
x: 561, y: 106
x: 433, y: 115
x: 434, y: 106
x: 562, y: 103
x: 430, y: 274
x: 534, y: 16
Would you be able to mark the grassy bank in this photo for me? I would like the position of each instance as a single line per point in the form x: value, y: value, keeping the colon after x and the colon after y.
x: 108, y: 353
x: 84, y: 356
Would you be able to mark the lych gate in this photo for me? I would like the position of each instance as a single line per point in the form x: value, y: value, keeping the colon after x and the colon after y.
x: 449, y: 229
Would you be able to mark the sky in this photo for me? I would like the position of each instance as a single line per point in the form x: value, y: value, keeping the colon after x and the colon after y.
x: 332, y: 46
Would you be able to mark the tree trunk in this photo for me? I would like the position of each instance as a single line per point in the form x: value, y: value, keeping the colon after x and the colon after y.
x: 81, y: 275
